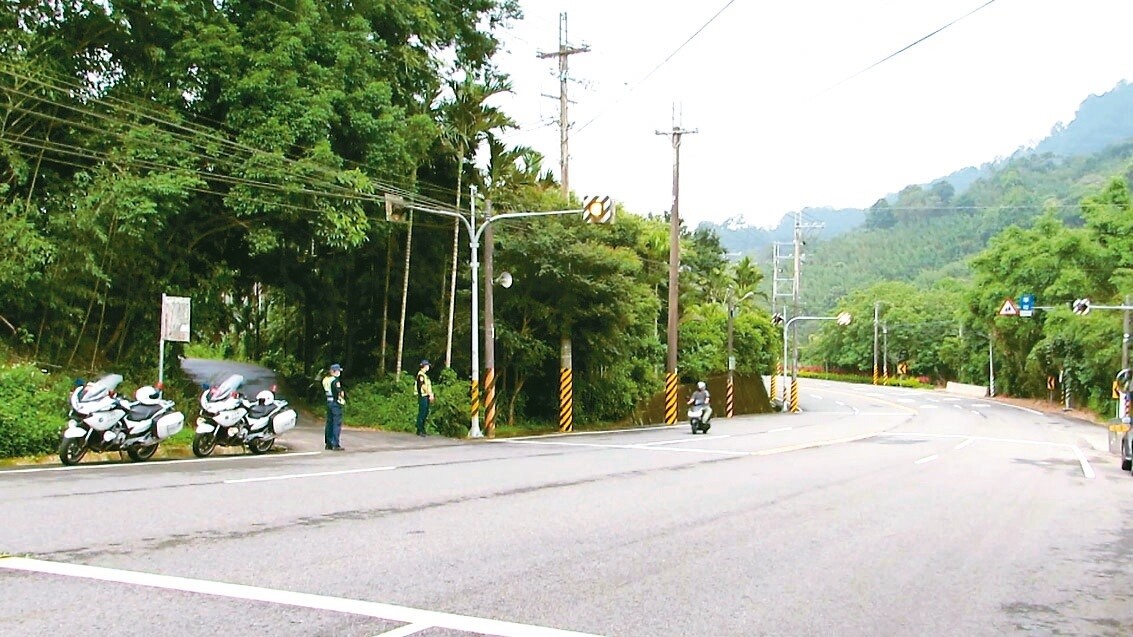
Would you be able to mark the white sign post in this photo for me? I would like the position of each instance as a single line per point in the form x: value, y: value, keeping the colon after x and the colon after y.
x: 175, y: 312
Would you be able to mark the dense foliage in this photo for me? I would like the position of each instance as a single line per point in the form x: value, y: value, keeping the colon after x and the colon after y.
x: 241, y: 153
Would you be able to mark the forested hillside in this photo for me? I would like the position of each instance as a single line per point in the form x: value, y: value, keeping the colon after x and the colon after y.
x: 1100, y: 122
x: 929, y: 233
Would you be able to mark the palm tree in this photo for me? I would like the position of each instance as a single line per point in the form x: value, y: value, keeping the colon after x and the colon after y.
x: 466, y: 119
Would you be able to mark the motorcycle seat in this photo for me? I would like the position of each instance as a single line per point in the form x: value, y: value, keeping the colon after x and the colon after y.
x: 259, y: 411
x: 142, y: 412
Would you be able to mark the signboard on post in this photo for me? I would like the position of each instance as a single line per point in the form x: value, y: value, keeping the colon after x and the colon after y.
x: 175, y: 312
x: 1026, y: 305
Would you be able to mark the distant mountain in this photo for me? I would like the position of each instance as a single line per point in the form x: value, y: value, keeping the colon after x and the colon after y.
x: 1102, y: 121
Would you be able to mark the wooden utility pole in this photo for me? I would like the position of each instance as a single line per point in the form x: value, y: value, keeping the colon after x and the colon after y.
x: 674, y: 269
x: 565, y: 51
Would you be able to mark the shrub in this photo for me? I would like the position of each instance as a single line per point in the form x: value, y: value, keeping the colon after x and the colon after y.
x: 33, y: 410
x: 391, y: 404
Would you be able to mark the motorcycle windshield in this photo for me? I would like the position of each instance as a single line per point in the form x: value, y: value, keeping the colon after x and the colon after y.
x: 226, y: 387
x: 100, y: 388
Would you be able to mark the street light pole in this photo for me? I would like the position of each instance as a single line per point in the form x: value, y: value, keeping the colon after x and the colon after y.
x: 876, y: 309
x: 474, y: 234
x: 843, y: 318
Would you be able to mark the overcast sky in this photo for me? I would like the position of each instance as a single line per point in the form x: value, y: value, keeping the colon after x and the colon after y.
x: 784, y: 118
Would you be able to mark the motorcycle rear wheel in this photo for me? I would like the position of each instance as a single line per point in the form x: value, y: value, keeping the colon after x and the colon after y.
x: 140, y: 454
x: 71, y: 451
x: 260, y: 445
x: 204, y: 444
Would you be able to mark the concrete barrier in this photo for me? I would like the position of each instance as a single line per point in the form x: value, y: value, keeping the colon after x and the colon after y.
x: 975, y: 391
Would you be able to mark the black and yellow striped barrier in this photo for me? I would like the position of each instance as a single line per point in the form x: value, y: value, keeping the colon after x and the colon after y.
x: 794, y: 396
x: 730, y: 404
x: 671, y: 398
x: 475, y: 411
x: 775, y: 380
x: 490, y: 402
x: 566, y: 399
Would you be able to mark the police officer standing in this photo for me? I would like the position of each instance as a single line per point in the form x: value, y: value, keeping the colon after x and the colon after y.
x: 424, y: 396
x: 336, y: 398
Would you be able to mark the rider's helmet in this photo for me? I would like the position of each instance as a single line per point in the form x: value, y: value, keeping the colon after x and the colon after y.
x: 265, y: 397
x: 701, y: 385
x: 147, y: 395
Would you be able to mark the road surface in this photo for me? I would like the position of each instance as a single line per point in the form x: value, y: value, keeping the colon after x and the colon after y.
x: 876, y: 511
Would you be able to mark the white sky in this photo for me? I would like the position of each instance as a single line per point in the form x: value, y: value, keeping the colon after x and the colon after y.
x: 761, y: 84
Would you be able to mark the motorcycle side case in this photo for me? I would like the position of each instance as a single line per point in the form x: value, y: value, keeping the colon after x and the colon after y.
x: 169, y: 424
x: 283, y: 421
x: 204, y: 427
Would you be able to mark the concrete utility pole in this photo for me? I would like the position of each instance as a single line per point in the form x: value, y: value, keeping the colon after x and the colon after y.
x: 565, y: 51
x: 674, y: 280
x: 798, y: 257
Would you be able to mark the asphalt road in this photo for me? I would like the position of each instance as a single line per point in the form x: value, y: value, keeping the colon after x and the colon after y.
x: 877, y: 511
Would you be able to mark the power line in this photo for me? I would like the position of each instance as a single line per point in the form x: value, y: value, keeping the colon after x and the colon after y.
x: 906, y: 47
x: 658, y: 67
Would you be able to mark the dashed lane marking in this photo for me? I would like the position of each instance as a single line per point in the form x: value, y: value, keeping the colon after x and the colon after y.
x: 157, y: 463
x: 317, y: 474
x: 1087, y: 470
x: 927, y: 459
x: 412, y: 616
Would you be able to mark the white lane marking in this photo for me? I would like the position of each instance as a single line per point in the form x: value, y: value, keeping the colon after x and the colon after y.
x: 928, y: 406
x: 964, y: 444
x: 811, y: 445
x: 977, y: 406
x: 295, y: 476
x: 408, y: 629
x: 927, y: 459
x: 158, y: 463
x: 775, y: 431
x: 1087, y: 470
x: 1026, y: 409
x: 906, y: 400
x: 583, y: 433
x: 678, y: 441
x: 903, y: 414
x: 764, y: 452
x: 432, y: 619
x: 639, y: 447
x: 817, y: 396
x: 839, y: 403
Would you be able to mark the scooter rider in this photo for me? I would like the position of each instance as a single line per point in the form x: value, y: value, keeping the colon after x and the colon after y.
x: 701, y: 397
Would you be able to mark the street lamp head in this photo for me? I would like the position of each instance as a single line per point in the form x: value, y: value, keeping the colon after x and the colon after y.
x: 844, y: 318
x: 505, y: 280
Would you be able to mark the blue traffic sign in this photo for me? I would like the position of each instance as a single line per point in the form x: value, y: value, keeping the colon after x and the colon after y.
x: 1027, y: 302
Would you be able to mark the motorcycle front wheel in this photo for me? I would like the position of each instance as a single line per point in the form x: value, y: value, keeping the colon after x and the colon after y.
x: 138, y: 454
x: 71, y: 451
x: 260, y: 445
x: 203, y: 444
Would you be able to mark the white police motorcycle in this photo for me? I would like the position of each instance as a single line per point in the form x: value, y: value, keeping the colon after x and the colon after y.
x: 101, y: 420
x: 228, y: 419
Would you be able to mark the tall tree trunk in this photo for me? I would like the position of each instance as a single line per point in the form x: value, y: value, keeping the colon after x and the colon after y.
x: 385, y: 301
x: 404, y: 296
x: 455, y: 251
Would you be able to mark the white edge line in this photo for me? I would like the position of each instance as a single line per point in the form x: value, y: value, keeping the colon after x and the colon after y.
x: 927, y: 459
x: 303, y: 600
x: 408, y: 629
x: 159, y: 463
x: 294, y: 476
x: 777, y: 430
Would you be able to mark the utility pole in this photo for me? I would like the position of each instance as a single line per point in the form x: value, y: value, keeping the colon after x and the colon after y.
x: 797, y: 275
x: 674, y: 269
x: 565, y: 51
